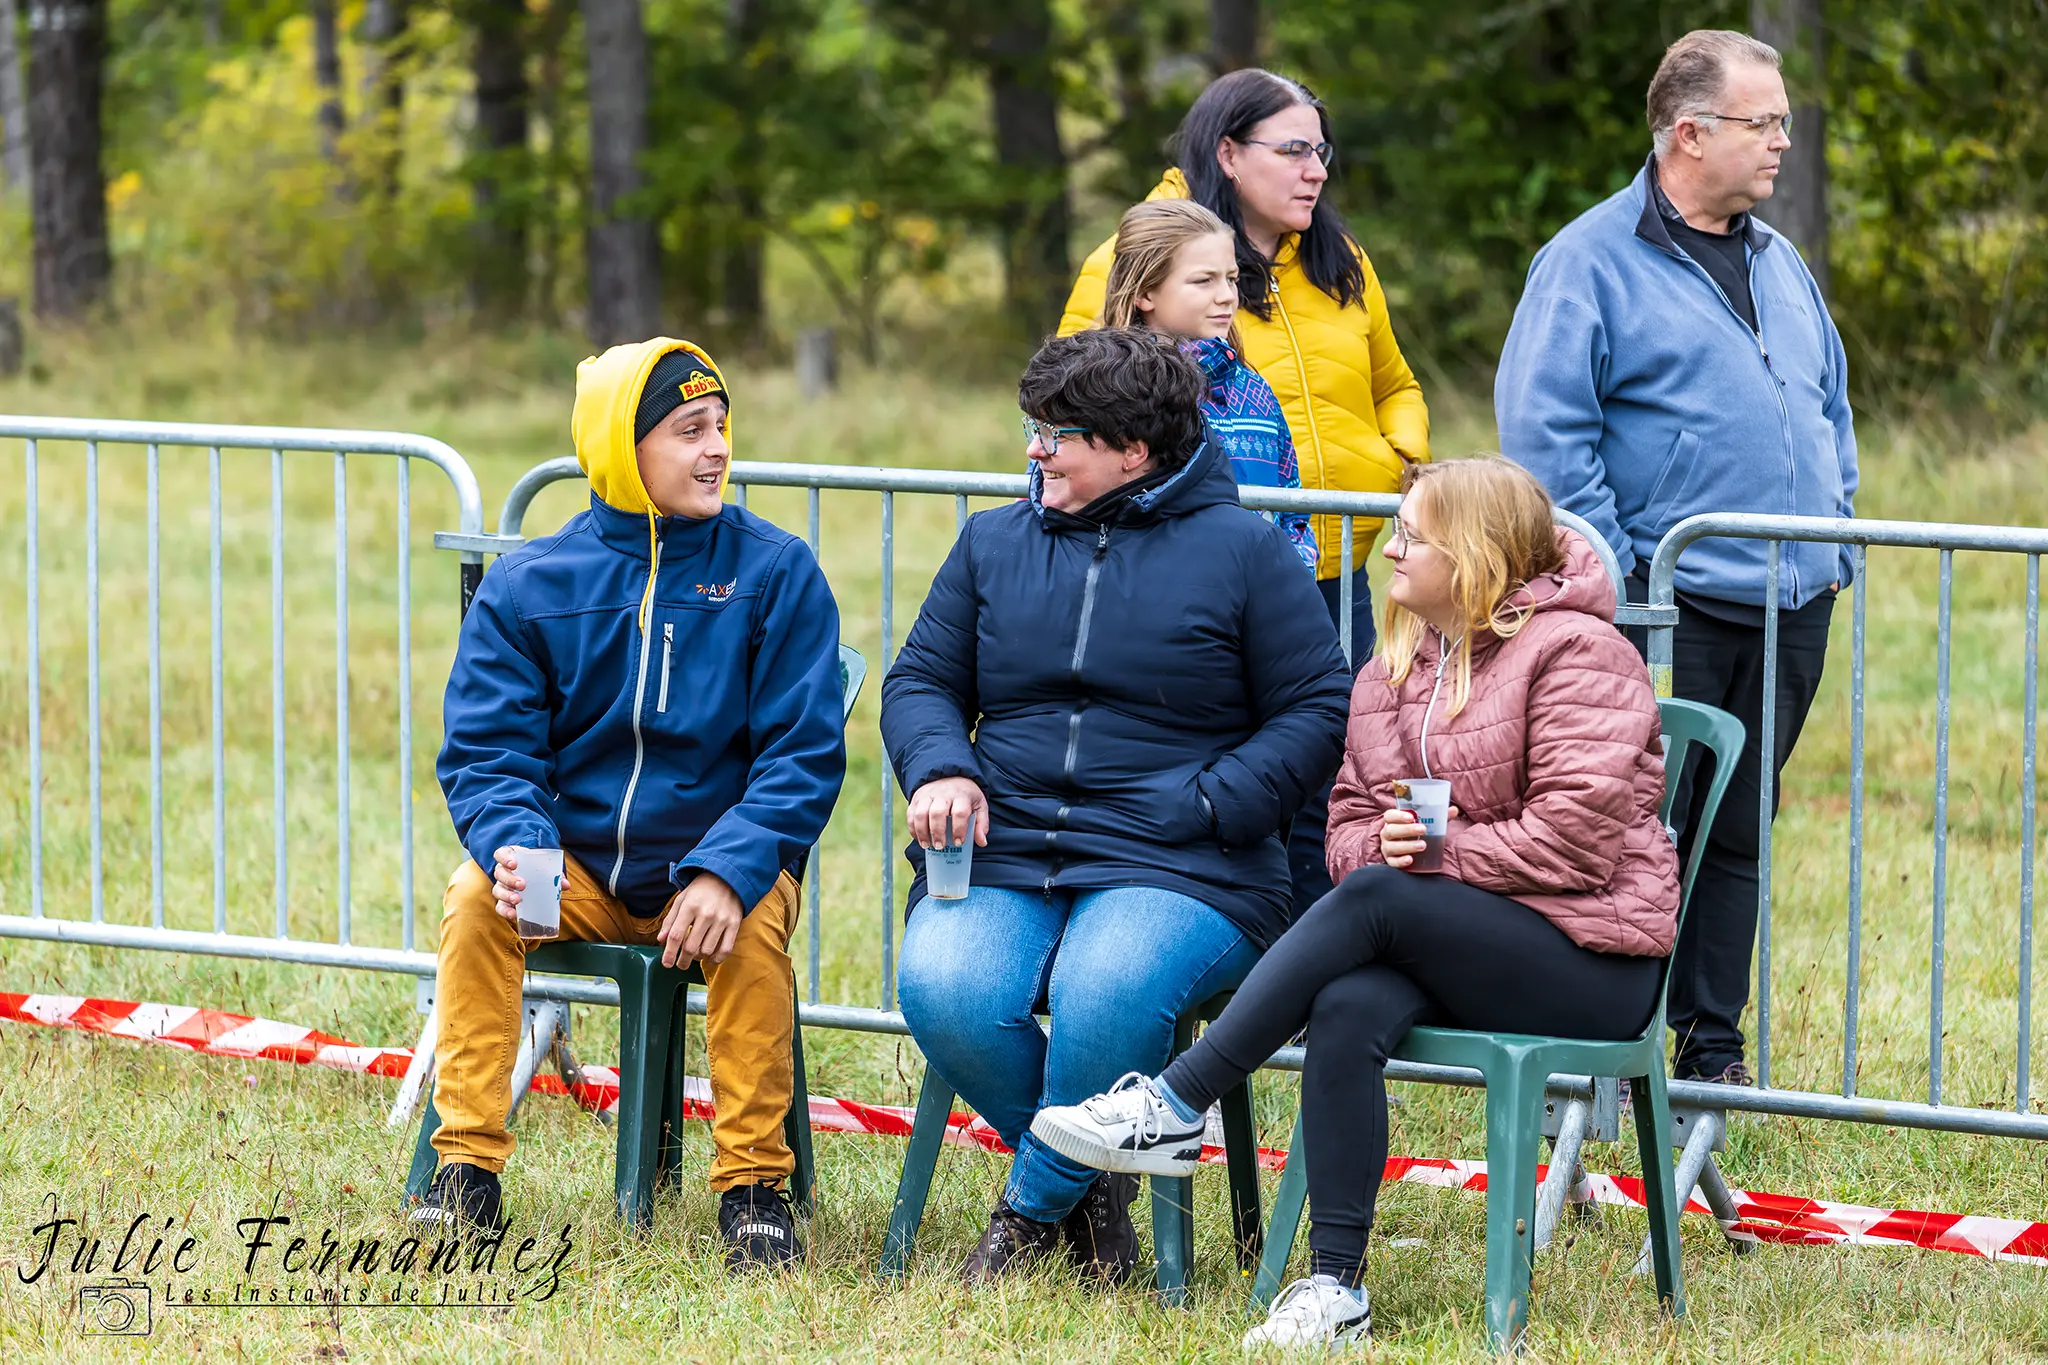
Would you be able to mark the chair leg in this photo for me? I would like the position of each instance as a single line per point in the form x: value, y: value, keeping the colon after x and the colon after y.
x: 1660, y: 1193
x: 643, y: 1073
x: 796, y: 1127
x: 1514, y: 1135
x: 424, y: 1158
x: 668, y: 1152
x: 1241, y: 1155
x: 1286, y: 1224
x: 920, y: 1160
x: 1173, y: 1234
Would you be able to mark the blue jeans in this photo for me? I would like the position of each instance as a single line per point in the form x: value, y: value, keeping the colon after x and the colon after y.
x: 1116, y: 967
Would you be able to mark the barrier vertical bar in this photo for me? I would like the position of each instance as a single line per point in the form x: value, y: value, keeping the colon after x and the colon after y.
x: 1859, y: 557
x: 341, y: 693
x: 282, y: 889
x: 814, y: 872
x: 156, y: 703
x: 1344, y: 592
x: 1938, y: 948
x: 35, y: 698
x: 2029, y: 727
x: 92, y: 666
x: 1766, y: 780
x: 739, y: 495
x: 888, y: 777
x: 405, y: 700
x: 219, y: 694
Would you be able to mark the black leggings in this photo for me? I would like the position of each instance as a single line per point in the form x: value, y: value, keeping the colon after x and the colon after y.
x: 1386, y: 950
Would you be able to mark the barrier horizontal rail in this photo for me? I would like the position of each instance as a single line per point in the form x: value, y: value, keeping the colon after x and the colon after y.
x: 1860, y: 534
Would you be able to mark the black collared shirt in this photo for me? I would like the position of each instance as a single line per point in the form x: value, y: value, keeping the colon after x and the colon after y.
x: 1723, y: 255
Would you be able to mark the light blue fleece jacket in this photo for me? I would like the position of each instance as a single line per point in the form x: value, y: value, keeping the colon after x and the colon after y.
x: 1633, y: 390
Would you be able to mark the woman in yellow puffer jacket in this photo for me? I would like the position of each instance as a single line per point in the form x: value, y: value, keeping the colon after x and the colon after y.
x: 1254, y: 149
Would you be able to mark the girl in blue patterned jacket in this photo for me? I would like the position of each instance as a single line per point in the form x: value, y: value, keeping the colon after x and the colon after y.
x: 1176, y: 272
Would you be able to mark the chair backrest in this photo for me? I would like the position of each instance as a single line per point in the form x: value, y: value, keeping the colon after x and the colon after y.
x: 1685, y: 724
x: 853, y: 670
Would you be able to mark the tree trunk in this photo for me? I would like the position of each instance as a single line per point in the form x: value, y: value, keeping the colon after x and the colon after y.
x: 14, y: 172
x: 621, y: 245
x: 553, y: 172
x: 1037, y: 271
x: 1233, y: 34
x: 741, y: 286
x: 499, y: 189
x: 1799, y: 207
x: 383, y: 98
x: 67, y: 57
x: 327, y: 75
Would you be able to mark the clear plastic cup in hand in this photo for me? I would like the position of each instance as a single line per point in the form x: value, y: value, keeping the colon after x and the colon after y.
x: 1430, y: 799
x: 949, y: 867
x: 540, y: 904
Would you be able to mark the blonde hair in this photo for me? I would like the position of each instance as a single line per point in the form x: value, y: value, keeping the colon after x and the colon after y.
x: 1493, y: 521
x: 1148, y: 239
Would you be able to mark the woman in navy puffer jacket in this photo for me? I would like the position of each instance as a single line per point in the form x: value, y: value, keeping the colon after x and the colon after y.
x: 1122, y: 690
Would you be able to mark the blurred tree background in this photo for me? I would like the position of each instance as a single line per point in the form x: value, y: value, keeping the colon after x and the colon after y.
x: 924, y: 175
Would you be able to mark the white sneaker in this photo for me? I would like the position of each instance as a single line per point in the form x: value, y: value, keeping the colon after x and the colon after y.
x: 1316, y: 1312
x: 1129, y: 1128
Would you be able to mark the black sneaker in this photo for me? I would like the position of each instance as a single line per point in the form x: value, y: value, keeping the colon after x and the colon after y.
x: 1735, y: 1073
x: 462, y: 1194
x: 1098, y: 1235
x: 759, y: 1228
x: 1012, y: 1243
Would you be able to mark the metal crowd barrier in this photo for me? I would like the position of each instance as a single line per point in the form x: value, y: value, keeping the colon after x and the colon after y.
x: 282, y: 443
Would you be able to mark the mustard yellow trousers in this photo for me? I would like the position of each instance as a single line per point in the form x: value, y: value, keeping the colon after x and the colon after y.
x: 750, y: 1011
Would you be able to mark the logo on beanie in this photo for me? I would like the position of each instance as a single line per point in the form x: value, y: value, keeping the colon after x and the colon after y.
x: 697, y: 385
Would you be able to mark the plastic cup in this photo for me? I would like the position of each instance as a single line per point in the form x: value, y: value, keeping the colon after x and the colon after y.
x: 1430, y: 799
x: 540, y: 904
x: 949, y: 870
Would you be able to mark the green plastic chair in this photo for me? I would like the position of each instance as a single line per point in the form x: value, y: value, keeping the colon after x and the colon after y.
x: 1516, y: 1067
x: 1173, y: 1229
x: 652, y: 1015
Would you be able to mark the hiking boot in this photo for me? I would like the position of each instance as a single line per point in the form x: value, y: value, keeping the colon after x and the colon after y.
x: 1012, y: 1243
x: 1735, y: 1073
x: 1098, y: 1235
x: 759, y: 1228
x: 1315, y: 1312
x: 1130, y: 1128
x: 462, y: 1194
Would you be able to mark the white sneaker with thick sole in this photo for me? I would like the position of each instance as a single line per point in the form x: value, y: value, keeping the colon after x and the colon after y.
x: 1129, y: 1128
x: 1314, y: 1313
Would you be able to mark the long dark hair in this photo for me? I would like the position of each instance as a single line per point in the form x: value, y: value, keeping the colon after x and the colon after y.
x: 1231, y: 107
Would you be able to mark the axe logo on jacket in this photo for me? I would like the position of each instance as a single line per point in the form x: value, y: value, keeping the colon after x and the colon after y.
x: 718, y: 592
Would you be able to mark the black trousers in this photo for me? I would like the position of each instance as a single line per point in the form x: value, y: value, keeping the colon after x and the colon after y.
x: 1721, y: 663
x: 1384, y: 951
x: 1306, y: 863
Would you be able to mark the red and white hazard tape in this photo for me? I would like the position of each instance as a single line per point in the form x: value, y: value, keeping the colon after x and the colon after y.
x: 1760, y: 1217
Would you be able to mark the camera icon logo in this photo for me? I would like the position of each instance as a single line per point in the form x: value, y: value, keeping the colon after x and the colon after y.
x: 114, y: 1308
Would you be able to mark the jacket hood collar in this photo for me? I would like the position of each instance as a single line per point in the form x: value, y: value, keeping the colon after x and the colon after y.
x: 627, y: 532
x: 1650, y: 224
x: 1212, y: 355
x: 1204, y: 481
x: 608, y: 390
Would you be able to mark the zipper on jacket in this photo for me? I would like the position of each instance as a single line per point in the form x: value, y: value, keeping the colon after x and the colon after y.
x: 639, y: 744
x: 668, y: 641
x: 1308, y: 402
x: 1073, y: 754
x: 1443, y: 659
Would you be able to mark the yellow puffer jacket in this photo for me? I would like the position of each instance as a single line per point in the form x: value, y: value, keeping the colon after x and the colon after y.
x: 1351, y: 401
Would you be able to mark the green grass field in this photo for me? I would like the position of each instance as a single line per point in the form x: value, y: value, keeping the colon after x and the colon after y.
x: 106, y: 1130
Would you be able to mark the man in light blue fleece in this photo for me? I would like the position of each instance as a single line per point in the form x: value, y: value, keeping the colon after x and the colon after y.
x: 1672, y: 355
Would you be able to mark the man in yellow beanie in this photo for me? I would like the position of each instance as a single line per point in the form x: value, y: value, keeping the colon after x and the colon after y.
x: 654, y: 690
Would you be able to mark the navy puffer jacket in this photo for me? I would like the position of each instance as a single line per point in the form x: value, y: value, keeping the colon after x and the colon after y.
x: 1152, y: 692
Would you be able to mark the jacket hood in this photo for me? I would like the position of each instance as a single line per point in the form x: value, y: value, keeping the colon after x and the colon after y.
x: 1582, y: 585
x: 608, y: 390
x: 1204, y: 481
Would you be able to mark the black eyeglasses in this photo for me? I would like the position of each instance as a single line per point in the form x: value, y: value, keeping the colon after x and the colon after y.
x: 1296, y: 149
x: 1767, y: 124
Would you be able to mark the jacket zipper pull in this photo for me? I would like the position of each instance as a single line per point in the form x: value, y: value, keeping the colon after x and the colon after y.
x: 1102, y: 537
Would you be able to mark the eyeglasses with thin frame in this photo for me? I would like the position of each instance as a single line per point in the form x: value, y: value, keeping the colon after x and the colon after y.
x: 1047, y: 436
x: 1296, y: 149
x: 1403, y: 539
x: 1767, y: 124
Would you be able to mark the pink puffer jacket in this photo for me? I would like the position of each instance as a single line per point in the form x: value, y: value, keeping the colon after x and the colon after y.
x: 1554, y: 765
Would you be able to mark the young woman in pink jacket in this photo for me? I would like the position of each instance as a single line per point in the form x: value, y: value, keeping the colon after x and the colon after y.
x: 1500, y: 670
